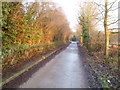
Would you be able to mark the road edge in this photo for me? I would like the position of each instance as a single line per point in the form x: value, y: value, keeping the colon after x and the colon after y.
x: 31, y: 66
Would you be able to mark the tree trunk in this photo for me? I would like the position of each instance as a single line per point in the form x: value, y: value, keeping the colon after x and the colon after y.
x: 81, y: 39
x: 106, y: 30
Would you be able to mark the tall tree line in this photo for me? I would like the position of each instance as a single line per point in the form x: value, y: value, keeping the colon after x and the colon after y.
x: 31, y: 24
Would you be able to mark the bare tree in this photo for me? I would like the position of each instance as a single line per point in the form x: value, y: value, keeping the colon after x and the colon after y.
x: 108, y: 20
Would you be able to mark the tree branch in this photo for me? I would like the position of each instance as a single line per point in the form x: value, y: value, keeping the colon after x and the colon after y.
x: 114, y: 28
x: 114, y: 9
x: 100, y: 5
x: 114, y: 22
x: 112, y: 4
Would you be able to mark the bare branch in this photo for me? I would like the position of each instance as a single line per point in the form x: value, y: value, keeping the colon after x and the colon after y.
x: 97, y: 22
x: 100, y: 5
x: 112, y: 4
x: 114, y: 22
x: 113, y: 28
x: 114, y: 9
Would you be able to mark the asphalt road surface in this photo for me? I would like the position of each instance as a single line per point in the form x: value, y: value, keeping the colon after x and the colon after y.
x: 64, y: 71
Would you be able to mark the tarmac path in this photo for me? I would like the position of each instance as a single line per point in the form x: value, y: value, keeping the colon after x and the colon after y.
x: 64, y: 71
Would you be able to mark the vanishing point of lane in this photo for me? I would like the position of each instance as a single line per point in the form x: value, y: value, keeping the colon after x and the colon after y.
x: 64, y: 71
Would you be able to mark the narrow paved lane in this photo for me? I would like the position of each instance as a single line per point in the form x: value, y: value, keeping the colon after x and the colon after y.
x: 64, y: 71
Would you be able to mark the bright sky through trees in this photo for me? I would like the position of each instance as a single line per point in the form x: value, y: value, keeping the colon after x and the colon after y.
x: 71, y: 8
